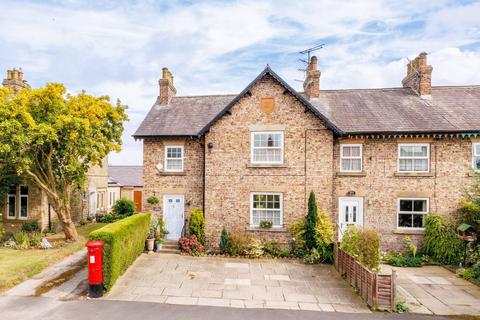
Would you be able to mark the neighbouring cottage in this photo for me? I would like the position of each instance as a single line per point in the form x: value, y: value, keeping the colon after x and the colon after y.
x: 378, y: 158
x: 125, y: 182
x: 27, y: 202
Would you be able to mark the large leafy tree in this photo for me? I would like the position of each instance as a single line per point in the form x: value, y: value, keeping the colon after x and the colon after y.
x: 52, y: 138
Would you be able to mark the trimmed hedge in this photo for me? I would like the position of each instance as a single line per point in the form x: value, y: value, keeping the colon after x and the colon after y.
x: 124, y: 242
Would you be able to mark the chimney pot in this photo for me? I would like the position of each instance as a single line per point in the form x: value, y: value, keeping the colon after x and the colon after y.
x: 167, y: 89
x: 419, y: 76
x: 311, y: 85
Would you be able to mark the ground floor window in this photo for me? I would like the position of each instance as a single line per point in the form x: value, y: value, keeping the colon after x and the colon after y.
x: 266, y: 207
x: 12, y: 203
x: 412, y: 212
x: 23, y: 214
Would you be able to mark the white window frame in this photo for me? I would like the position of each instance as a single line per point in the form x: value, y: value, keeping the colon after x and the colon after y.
x: 400, y: 145
x: 20, y: 202
x: 475, y: 155
x: 9, y: 217
x: 411, y: 212
x: 252, y: 147
x: 342, y: 157
x: 252, y: 194
x: 182, y: 158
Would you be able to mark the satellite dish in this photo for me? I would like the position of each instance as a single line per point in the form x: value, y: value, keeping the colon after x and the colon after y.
x: 159, y: 167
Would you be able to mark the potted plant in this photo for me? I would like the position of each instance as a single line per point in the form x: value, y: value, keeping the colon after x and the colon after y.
x: 158, y: 243
x: 160, y: 233
x: 265, y: 224
x: 151, y: 234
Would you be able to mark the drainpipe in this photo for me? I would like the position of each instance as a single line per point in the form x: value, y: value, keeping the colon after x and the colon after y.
x: 203, y: 178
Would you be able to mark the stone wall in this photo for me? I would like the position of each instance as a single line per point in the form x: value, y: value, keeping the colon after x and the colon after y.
x: 381, y: 185
x: 230, y: 176
x: 158, y: 183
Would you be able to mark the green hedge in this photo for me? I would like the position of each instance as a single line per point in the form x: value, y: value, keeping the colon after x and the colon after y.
x: 124, y: 242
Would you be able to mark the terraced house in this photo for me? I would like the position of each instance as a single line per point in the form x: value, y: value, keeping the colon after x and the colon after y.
x: 377, y: 158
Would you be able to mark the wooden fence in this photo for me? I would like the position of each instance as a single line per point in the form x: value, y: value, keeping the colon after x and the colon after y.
x: 378, y: 290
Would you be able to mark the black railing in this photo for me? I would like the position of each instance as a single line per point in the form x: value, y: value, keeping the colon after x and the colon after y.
x: 184, y: 229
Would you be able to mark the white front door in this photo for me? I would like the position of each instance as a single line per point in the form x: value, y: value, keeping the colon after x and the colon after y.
x: 350, y: 212
x: 173, y: 215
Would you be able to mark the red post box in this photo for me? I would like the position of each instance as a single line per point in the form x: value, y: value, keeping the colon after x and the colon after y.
x: 94, y: 257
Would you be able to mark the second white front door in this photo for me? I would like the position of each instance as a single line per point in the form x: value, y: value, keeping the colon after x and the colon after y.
x: 173, y: 216
x: 350, y: 212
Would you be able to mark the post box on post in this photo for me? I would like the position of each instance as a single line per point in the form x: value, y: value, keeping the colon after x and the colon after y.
x: 95, y: 276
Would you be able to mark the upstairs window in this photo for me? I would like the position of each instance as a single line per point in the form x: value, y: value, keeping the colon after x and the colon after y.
x: 350, y: 157
x: 267, y: 147
x: 23, y: 214
x: 476, y: 156
x: 414, y: 157
x: 174, y: 158
x: 412, y: 212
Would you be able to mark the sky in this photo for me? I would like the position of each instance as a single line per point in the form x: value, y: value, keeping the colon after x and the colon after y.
x: 118, y: 48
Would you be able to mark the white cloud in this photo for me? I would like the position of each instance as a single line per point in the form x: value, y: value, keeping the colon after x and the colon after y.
x: 119, y: 48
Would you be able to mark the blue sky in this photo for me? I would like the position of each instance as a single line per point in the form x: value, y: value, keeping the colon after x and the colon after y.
x: 118, y: 48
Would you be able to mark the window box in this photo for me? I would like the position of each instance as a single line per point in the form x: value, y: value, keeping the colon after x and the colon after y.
x: 266, y: 206
x: 266, y: 147
x: 351, y: 156
x: 413, y: 157
x: 174, y: 158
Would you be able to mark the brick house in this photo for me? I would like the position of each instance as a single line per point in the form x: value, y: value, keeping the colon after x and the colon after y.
x: 378, y: 158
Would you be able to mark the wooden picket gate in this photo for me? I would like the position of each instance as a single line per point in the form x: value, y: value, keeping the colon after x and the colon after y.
x: 378, y: 290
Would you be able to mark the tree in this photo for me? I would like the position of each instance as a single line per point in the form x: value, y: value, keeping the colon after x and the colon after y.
x: 311, y: 222
x: 52, y: 138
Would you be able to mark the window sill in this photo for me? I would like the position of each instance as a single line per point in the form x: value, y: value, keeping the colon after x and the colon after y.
x: 409, y: 231
x: 414, y: 174
x: 267, y: 165
x: 172, y: 173
x: 351, y: 174
x: 273, y: 229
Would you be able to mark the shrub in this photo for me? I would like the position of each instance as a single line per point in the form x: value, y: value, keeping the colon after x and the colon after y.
x: 239, y: 244
x: 470, y: 273
x: 255, y: 249
x: 34, y: 239
x: 369, y: 249
x: 30, y: 226
x: 21, y: 239
x: 398, y: 259
x: 196, y: 225
x: 298, y: 231
x: 311, y: 223
x: 324, y: 236
x: 271, y: 248
x: 441, y: 242
x: 124, y: 241
x: 224, y: 241
x: 266, y: 224
x: 152, y: 200
x: 124, y: 207
x: 313, y: 257
x: 109, y: 218
x: 191, y: 245
x: 350, y: 240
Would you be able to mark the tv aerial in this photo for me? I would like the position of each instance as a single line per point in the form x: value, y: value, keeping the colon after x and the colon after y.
x: 308, y: 52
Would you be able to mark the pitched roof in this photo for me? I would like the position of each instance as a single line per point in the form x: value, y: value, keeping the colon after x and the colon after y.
x: 125, y: 176
x: 349, y: 111
x: 395, y: 110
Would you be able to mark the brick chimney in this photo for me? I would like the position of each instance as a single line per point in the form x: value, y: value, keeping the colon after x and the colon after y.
x: 311, y: 85
x: 167, y: 90
x: 419, y: 76
x: 15, y: 80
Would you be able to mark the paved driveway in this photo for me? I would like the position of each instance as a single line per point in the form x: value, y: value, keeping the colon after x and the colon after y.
x: 433, y: 289
x: 241, y: 283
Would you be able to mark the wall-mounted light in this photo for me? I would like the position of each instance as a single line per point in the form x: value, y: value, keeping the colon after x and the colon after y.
x: 210, y: 145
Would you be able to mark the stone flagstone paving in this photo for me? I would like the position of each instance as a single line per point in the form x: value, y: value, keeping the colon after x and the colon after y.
x: 237, y: 283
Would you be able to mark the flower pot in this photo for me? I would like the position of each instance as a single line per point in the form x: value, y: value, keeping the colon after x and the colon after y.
x: 150, y: 243
x: 158, y: 246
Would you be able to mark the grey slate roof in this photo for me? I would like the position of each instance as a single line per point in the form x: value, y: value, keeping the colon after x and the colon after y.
x: 451, y: 109
x: 125, y: 176
x: 349, y: 111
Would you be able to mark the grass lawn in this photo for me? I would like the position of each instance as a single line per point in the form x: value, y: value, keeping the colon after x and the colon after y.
x: 18, y: 265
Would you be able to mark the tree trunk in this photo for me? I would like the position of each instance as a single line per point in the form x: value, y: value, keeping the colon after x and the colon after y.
x: 65, y: 218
